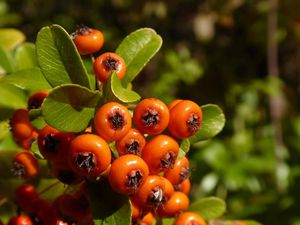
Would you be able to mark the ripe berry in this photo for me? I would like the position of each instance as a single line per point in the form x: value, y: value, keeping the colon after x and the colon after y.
x: 179, y: 172
x: 88, y: 40
x: 173, y: 103
x: 160, y: 153
x: 178, y: 202
x: 132, y: 143
x: 35, y: 100
x: 25, y: 195
x: 127, y: 174
x: 189, y: 218
x: 148, y: 219
x: 20, y: 220
x: 112, y: 121
x: 107, y: 63
x: 169, y: 189
x: 185, y: 119
x: 151, y: 116
x: 20, y: 125
x: 25, y: 165
x: 53, y: 144
x: 151, y: 192
x: 89, y: 155
x: 184, y: 187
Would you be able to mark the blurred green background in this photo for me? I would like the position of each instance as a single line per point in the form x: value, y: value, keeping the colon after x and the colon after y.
x: 243, y: 55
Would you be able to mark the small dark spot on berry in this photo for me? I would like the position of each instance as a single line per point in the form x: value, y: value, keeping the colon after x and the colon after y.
x: 151, y: 118
x: 193, y: 123
x: 117, y: 120
x: 18, y: 169
x: 86, y: 161
x: 35, y: 104
x: 111, y: 63
x: 51, y: 142
x: 184, y: 173
x: 156, y: 196
x: 134, y: 148
x: 134, y: 179
x: 168, y: 161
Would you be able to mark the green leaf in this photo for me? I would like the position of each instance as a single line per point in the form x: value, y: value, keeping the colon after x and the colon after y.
x: 136, y: 50
x: 209, y: 208
x: 184, y: 148
x: 59, y: 59
x: 6, y: 60
x: 36, y: 118
x: 35, y: 150
x: 25, y: 56
x: 29, y: 79
x: 108, y: 207
x: 168, y: 221
x: 12, y: 98
x: 213, y: 122
x: 114, y: 91
x: 70, y: 107
x: 10, y: 38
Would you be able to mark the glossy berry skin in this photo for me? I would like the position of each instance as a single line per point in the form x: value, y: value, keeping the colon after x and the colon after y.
x: 173, y: 103
x: 89, y: 155
x: 151, y: 116
x: 54, y: 144
x: 148, y: 219
x: 20, y: 220
x: 25, y: 165
x: 184, y: 187
x: 112, y: 121
x: 151, y: 192
x: 20, y: 125
x: 136, y: 209
x: 36, y: 100
x: 25, y: 195
x: 179, y: 172
x: 185, y: 119
x: 107, y: 63
x: 132, y: 143
x: 178, y: 202
x: 189, y: 218
x: 127, y: 174
x: 160, y: 153
x: 88, y: 40
x: 169, y: 189
x: 65, y: 174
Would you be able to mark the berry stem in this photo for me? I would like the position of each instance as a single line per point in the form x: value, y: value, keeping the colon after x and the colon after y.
x: 49, y: 187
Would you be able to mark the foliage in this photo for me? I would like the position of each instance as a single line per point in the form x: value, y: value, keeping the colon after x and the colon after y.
x: 213, y: 51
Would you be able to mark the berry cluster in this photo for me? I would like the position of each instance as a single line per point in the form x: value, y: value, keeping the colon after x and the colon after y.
x: 134, y: 148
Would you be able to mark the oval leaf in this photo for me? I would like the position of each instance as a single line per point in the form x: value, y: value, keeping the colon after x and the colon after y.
x: 136, y: 50
x: 70, y: 107
x: 36, y: 118
x: 14, y: 98
x: 114, y: 91
x: 184, y: 148
x: 212, y: 123
x: 6, y: 61
x: 29, y: 79
x: 108, y: 207
x: 59, y: 59
x: 209, y: 208
x: 10, y: 38
x: 25, y: 57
